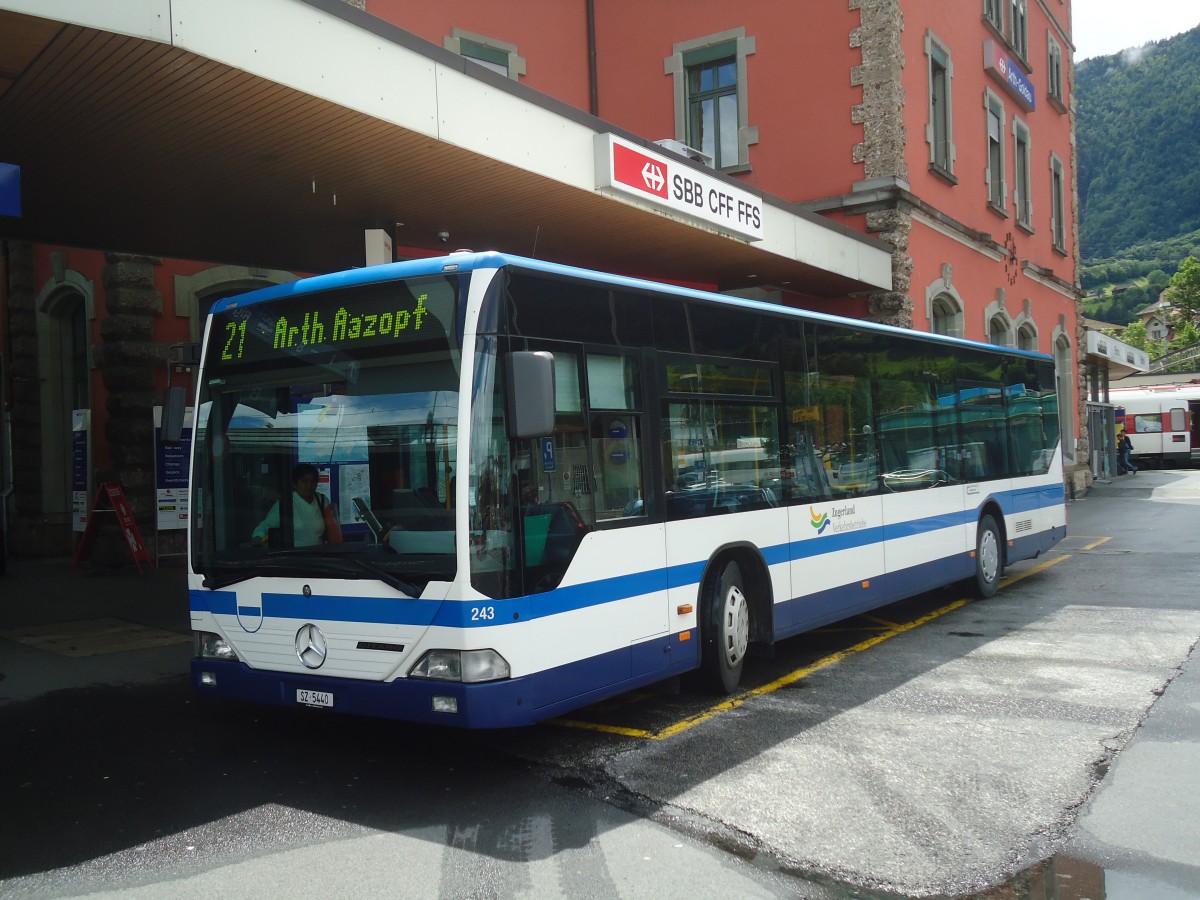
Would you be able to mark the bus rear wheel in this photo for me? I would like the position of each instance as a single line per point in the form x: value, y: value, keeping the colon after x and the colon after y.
x: 989, y: 557
x: 724, y: 630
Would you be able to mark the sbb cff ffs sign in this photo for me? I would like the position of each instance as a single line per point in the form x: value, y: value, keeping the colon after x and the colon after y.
x: 646, y: 176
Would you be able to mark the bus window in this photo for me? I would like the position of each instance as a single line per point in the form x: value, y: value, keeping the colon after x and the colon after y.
x: 831, y: 442
x: 720, y: 457
x: 1032, y: 418
x: 550, y: 499
x: 984, y: 429
x: 720, y: 449
x: 918, y: 439
x: 616, y: 434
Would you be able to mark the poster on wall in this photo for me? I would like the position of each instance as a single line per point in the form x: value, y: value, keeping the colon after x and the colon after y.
x: 81, y: 420
x: 171, y: 462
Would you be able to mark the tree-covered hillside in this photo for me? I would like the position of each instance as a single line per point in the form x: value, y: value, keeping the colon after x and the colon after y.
x: 1138, y: 131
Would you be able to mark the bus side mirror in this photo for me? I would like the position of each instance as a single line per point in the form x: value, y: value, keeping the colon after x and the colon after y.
x: 530, y: 393
x: 174, y: 410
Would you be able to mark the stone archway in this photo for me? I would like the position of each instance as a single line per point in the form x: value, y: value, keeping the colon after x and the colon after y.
x: 64, y: 310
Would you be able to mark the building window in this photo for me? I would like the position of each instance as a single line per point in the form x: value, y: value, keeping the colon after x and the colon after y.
x: 939, y: 134
x: 1018, y: 28
x: 997, y: 187
x: 499, y: 56
x: 1027, y: 337
x: 943, y: 305
x: 1058, y: 205
x: 946, y: 316
x: 1022, y: 201
x: 711, y: 99
x: 993, y: 11
x: 712, y: 87
x: 999, y: 332
x: 1054, y: 70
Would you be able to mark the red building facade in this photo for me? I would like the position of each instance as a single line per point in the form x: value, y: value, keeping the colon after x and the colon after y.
x: 943, y: 126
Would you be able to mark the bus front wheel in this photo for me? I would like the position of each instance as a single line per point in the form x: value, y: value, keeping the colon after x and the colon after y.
x: 989, y: 557
x: 725, y: 630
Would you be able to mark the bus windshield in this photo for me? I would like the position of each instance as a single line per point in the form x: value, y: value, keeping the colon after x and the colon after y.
x: 326, y: 425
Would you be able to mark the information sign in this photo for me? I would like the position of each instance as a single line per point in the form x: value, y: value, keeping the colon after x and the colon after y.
x: 649, y: 177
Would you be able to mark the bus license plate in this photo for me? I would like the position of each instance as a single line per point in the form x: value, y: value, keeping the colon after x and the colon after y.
x: 314, y: 698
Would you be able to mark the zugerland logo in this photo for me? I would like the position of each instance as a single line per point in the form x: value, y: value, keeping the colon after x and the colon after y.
x: 837, y: 520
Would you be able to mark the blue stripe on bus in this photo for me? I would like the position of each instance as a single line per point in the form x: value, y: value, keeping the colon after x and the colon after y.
x: 834, y: 543
x: 467, y: 614
x: 913, y: 527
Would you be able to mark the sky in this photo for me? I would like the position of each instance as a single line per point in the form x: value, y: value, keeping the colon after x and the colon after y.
x: 1104, y: 27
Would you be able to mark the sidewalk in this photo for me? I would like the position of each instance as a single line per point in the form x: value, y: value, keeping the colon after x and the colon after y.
x: 1142, y: 823
x: 61, y: 629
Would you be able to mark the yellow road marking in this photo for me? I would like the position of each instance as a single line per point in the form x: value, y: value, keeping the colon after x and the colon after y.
x: 1040, y: 567
x: 795, y: 675
x: 608, y: 729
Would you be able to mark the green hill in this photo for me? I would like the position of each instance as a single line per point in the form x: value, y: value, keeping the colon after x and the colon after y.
x: 1138, y: 132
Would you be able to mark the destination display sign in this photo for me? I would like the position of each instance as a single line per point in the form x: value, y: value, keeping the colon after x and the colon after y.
x: 392, y: 314
x: 648, y: 177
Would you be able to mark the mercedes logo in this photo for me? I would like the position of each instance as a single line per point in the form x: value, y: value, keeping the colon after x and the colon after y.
x: 311, y: 646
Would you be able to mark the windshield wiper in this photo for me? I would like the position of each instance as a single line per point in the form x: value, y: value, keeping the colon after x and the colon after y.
x: 225, y: 574
x: 408, y: 589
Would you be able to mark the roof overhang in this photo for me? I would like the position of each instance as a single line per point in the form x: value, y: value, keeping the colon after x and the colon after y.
x: 1118, y: 357
x: 274, y: 133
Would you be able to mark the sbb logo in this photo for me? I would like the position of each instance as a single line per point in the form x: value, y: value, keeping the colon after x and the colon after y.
x: 639, y: 171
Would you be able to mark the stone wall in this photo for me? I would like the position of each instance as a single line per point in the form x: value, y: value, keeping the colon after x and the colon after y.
x: 129, y: 358
x: 881, y: 152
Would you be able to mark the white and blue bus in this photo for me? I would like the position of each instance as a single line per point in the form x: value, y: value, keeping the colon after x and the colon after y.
x: 554, y: 485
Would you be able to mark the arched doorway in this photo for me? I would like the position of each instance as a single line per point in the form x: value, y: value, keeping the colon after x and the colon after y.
x: 65, y: 310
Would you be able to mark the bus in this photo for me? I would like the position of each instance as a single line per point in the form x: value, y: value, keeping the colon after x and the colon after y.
x: 553, y: 486
x: 1162, y: 421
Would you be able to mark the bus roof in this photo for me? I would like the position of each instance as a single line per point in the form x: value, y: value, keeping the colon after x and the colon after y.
x: 468, y: 261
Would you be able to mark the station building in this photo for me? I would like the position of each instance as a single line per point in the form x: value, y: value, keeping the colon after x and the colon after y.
x: 906, y: 161
x: 944, y: 128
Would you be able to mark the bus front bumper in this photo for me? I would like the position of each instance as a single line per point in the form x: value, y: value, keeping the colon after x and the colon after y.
x: 494, y: 704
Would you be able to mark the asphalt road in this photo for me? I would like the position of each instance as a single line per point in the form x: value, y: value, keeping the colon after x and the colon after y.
x: 935, y: 747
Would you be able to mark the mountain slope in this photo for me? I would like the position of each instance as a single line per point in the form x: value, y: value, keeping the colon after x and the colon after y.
x: 1138, y: 131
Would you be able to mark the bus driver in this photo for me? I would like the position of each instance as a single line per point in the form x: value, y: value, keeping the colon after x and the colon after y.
x: 308, y: 510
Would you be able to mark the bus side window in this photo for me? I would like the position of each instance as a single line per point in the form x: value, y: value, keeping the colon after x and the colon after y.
x: 616, y: 439
x: 614, y: 396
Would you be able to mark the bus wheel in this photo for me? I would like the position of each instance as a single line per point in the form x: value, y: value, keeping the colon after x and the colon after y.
x: 989, y: 563
x: 725, y: 631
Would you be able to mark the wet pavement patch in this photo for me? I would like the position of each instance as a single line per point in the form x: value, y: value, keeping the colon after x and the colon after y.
x: 93, y: 637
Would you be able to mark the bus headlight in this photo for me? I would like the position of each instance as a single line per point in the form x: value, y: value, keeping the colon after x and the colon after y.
x: 467, y: 666
x: 207, y: 645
